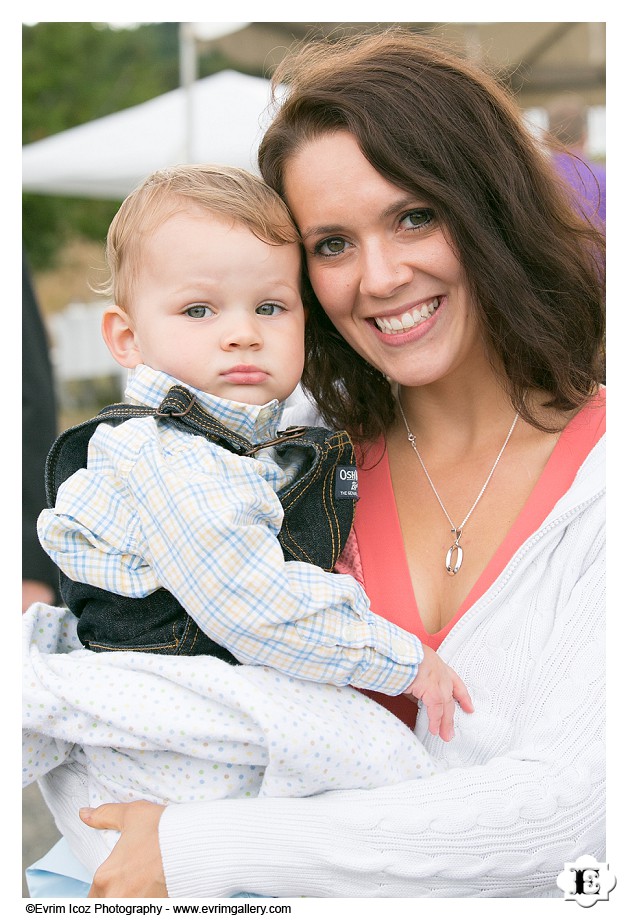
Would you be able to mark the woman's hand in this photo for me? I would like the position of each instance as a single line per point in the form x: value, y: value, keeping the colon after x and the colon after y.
x: 438, y: 687
x: 134, y: 868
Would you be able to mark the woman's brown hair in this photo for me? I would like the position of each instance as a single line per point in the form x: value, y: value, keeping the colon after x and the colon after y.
x: 438, y: 127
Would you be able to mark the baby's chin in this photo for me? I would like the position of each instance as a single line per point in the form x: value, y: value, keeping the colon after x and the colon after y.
x: 251, y: 396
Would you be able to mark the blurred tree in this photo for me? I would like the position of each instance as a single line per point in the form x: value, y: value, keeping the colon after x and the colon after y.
x: 73, y: 72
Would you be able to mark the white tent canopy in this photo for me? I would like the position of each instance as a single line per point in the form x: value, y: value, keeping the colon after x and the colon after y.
x: 220, y: 119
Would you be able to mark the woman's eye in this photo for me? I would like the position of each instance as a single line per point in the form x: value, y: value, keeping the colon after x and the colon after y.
x: 332, y: 246
x: 269, y: 309
x: 198, y: 311
x: 417, y: 220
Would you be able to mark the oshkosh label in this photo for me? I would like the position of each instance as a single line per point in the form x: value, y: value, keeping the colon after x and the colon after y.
x: 346, y: 482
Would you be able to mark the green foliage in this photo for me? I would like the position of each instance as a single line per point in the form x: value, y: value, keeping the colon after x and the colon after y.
x: 74, y: 72
x: 49, y: 222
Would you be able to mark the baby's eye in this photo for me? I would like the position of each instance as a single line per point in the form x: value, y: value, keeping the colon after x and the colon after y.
x: 269, y: 309
x: 418, y: 219
x: 198, y: 311
x: 333, y: 246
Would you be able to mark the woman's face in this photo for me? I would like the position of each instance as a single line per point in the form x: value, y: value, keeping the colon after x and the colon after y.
x: 381, y: 265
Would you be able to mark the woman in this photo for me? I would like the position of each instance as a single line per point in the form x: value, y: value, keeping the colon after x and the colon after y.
x: 459, y: 337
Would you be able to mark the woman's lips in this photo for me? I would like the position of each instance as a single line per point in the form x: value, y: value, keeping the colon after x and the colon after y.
x: 408, y: 320
x: 244, y: 375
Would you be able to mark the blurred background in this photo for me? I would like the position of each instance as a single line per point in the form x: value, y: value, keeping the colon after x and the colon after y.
x: 106, y: 103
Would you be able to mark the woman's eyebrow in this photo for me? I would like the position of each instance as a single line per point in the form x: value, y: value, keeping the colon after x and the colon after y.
x: 401, y: 204
x: 392, y: 209
x: 324, y: 230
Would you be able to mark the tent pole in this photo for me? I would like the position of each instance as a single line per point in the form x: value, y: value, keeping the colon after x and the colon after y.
x: 187, y: 75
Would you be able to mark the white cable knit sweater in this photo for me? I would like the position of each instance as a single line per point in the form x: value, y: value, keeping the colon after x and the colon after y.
x: 524, y: 787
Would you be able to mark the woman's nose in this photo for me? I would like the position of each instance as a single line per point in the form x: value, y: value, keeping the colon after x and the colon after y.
x: 384, y: 270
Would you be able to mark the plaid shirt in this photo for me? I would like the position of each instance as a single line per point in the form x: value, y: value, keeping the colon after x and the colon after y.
x: 158, y: 507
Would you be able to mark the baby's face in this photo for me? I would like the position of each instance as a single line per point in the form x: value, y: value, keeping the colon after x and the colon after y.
x: 219, y: 309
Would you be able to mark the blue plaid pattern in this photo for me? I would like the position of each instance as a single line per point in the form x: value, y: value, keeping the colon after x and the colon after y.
x: 157, y: 507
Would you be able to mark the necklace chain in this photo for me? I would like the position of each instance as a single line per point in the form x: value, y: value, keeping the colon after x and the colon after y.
x: 454, y: 566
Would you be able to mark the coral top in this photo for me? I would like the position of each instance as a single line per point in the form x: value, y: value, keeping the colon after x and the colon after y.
x: 381, y: 553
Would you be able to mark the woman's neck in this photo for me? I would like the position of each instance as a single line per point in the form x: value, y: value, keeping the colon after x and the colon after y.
x: 459, y: 413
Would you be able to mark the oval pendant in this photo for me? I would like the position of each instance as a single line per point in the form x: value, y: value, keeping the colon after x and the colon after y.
x: 453, y: 570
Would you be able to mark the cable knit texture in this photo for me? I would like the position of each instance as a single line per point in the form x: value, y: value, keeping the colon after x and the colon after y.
x: 522, y: 790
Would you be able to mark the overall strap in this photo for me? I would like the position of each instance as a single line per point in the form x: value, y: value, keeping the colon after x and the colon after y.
x: 184, y: 411
x: 180, y: 407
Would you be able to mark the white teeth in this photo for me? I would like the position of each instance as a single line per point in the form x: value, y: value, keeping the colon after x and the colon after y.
x: 393, y: 325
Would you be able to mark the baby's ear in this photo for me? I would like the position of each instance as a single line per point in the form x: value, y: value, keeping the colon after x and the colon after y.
x: 119, y: 336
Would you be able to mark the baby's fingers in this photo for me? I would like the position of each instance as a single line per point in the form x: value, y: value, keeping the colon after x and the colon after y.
x: 461, y: 694
x: 440, y: 717
x: 434, y: 716
x: 446, y: 729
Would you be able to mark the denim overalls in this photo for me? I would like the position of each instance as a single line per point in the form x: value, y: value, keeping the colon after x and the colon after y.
x: 318, y: 514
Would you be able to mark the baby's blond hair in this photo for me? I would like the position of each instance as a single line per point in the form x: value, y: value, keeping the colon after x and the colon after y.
x: 224, y: 191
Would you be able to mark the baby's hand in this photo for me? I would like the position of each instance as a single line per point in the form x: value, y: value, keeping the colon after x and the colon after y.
x: 438, y: 687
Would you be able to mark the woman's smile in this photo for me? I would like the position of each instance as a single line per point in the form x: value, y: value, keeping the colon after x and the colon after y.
x: 413, y: 316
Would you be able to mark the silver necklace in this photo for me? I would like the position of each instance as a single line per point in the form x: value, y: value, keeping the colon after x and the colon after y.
x: 453, y: 565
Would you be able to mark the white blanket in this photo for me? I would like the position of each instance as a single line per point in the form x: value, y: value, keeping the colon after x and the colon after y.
x: 175, y: 729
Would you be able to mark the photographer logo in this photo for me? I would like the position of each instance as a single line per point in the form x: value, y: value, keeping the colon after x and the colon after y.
x: 586, y: 881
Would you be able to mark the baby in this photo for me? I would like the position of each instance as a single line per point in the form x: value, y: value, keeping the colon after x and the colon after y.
x: 191, y: 529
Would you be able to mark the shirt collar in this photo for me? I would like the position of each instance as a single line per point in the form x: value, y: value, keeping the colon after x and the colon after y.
x: 147, y: 387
